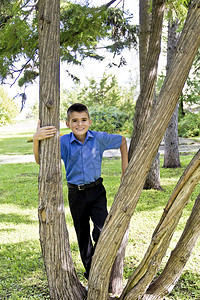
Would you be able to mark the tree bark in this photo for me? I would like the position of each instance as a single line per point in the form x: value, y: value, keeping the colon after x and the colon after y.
x: 171, y: 151
x: 146, y: 271
x: 145, y: 26
x: 116, y: 278
x: 62, y: 279
x: 165, y: 283
x: 149, y: 63
x: 130, y: 189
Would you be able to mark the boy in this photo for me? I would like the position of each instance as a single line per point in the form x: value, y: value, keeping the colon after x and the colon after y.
x: 82, y: 152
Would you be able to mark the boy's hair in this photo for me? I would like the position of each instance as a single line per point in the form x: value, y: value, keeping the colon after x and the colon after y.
x: 78, y: 107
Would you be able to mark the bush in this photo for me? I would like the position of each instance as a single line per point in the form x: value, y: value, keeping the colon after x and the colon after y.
x: 108, y: 119
x: 111, y: 107
x: 189, y: 125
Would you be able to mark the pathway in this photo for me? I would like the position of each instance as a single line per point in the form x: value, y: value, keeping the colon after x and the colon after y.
x: 185, y: 146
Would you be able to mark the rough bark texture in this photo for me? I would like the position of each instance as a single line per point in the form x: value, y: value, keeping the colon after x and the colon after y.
x: 116, y: 278
x: 145, y: 25
x: 149, y: 55
x: 171, y: 152
x: 144, y: 103
x: 162, y: 235
x: 130, y: 189
x: 165, y: 283
x: 62, y: 279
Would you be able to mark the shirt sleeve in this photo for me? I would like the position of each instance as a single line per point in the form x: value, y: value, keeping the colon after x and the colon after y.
x: 110, y: 141
x: 63, y: 147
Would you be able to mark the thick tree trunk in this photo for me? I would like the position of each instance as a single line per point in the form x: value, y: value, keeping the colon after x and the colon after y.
x: 171, y: 152
x: 62, y: 279
x: 116, y: 280
x: 130, y: 189
x: 148, y: 76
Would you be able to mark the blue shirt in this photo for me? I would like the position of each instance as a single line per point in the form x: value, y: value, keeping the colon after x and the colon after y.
x: 83, y: 161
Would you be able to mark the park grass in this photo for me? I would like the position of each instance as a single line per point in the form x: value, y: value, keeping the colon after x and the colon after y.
x: 20, y: 143
x: 22, y: 273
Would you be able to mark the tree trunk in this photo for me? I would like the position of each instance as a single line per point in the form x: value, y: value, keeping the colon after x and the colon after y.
x: 165, y: 283
x: 130, y: 189
x: 116, y: 278
x: 148, y: 79
x: 146, y: 271
x: 145, y: 25
x: 62, y: 279
x: 153, y: 177
x: 171, y: 152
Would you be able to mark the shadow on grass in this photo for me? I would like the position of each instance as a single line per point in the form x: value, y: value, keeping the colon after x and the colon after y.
x: 15, y: 146
x: 22, y: 273
x: 16, y: 219
x: 187, y: 287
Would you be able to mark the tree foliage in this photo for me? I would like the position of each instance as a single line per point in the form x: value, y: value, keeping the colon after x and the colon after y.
x: 81, y: 29
x: 111, y: 106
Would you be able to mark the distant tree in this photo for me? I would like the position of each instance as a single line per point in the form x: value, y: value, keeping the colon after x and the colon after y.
x: 8, y: 108
x: 171, y: 140
x: 150, y: 47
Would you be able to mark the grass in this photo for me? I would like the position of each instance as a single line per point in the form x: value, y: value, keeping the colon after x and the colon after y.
x: 22, y: 273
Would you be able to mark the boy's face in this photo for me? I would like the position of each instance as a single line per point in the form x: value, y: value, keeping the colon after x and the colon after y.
x: 79, y: 123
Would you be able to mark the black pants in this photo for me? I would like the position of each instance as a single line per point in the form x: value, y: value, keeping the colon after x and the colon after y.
x: 86, y: 204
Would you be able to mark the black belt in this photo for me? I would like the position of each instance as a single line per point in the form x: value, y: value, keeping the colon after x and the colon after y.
x: 82, y: 187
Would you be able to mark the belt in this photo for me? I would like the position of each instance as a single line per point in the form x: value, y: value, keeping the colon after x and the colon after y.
x: 82, y: 187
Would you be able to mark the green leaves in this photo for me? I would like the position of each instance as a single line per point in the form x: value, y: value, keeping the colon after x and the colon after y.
x: 81, y: 29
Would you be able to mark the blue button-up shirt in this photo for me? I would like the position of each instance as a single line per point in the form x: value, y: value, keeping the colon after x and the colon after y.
x: 83, y: 161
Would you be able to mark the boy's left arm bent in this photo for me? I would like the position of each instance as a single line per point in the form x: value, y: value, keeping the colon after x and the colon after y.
x: 124, y: 155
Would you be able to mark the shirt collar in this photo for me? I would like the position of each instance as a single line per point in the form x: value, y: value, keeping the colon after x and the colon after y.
x: 89, y: 134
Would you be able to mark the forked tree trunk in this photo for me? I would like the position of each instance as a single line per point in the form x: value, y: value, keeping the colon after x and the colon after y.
x: 146, y: 271
x: 130, y: 189
x: 116, y: 280
x: 165, y: 283
x: 62, y: 279
x: 171, y: 151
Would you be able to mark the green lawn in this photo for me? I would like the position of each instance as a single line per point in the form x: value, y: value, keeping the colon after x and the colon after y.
x: 22, y: 274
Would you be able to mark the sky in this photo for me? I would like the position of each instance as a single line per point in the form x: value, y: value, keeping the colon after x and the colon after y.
x: 91, y: 68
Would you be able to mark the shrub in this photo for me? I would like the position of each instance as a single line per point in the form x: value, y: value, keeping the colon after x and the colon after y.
x: 189, y: 125
x: 108, y: 119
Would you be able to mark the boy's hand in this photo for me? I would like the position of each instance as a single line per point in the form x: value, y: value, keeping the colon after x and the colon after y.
x: 44, y: 132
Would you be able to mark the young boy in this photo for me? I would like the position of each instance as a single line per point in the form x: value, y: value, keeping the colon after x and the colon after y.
x: 82, y: 152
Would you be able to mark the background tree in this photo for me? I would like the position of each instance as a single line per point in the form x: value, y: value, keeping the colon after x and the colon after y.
x: 150, y: 47
x: 8, y: 108
x: 171, y: 140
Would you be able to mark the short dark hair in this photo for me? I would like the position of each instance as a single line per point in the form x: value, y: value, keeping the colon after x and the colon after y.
x: 78, y: 107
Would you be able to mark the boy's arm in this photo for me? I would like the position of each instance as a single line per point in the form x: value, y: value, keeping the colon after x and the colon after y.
x: 124, y: 155
x: 41, y: 134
